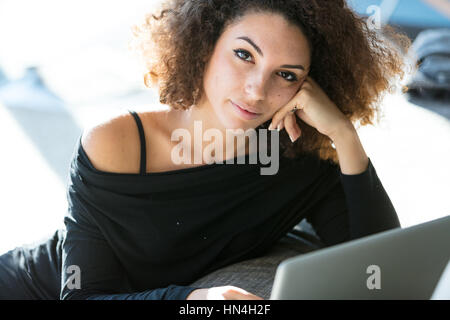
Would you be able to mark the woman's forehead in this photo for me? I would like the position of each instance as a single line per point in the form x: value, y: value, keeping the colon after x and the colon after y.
x: 268, y: 32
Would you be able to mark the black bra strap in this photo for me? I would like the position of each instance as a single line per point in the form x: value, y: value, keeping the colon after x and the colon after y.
x: 142, y: 138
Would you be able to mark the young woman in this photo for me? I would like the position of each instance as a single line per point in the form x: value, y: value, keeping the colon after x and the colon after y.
x: 143, y: 226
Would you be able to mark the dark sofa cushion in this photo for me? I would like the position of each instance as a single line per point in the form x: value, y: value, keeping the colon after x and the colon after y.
x: 257, y: 275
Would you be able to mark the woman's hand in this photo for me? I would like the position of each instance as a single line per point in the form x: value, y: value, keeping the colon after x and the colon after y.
x: 313, y: 107
x: 222, y: 293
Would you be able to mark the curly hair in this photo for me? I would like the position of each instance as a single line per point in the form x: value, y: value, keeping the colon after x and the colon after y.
x: 354, y: 64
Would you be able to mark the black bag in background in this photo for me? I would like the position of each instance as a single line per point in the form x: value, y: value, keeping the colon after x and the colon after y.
x: 431, y: 48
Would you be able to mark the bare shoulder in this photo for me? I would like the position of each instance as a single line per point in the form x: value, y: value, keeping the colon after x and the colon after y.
x: 112, y: 144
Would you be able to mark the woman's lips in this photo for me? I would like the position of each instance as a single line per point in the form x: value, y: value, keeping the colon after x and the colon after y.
x: 244, y: 113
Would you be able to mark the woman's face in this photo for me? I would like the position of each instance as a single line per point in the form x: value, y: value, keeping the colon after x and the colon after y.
x: 259, y: 63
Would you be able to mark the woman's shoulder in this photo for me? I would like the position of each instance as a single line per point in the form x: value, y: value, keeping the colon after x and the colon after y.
x: 112, y: 143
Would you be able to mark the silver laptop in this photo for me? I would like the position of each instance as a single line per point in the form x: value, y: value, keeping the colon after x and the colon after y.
x: 401, y: 263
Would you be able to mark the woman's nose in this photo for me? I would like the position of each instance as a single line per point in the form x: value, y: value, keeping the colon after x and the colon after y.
x: 255, y: 88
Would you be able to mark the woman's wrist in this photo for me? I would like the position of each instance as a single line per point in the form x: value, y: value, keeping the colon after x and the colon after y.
x: 352, y: 156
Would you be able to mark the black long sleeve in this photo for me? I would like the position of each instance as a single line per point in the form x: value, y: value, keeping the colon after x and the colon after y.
x: 355, y: 206
x: 101, y: 274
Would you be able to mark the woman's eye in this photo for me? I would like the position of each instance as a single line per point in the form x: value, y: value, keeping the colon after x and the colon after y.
x: 239, y: 53
x: 286, y: 75
x: 244, y: 55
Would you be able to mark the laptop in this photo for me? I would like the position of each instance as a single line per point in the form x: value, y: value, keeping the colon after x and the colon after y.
x: 400, y: 263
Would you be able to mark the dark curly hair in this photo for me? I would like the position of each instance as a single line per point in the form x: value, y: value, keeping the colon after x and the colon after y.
x: 353, y: 63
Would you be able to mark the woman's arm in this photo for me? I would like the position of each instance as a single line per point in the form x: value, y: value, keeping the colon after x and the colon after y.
x: 351, y: 154
x: 101, y: 276
x: 356, y: 203
x: 85, y: 246
x: 354, y: 206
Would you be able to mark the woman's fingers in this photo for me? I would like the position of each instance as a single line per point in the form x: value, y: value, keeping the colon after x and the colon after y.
x: 222, y: 293
x: 235, y: 293
x: 280, y: 125
x: 291, y: 108
x: 292, y: 127
x: 289, y: 122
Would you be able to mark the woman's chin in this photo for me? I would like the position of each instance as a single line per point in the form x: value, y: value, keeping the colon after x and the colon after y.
x: 235, y: 122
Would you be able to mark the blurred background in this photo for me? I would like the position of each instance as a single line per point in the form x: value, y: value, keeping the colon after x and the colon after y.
x: 65, y: 65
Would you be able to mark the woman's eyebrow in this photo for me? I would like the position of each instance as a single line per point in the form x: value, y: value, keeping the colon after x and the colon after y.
x: 258, y: 49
